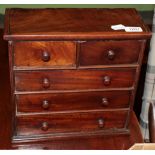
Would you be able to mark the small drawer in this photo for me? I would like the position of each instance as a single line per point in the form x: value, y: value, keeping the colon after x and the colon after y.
x: 72, y: 101
x: 94, y: 53
x: 75, y: 122
x: 44, y: 54
x: 74, y: 79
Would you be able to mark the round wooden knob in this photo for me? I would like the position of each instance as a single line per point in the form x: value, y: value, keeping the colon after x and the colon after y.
x: 44, y: 126
x: 105, y: 102
x: 107, y: 80
x: 45, y: 56
x: 100, y: 122
x: 111, y: 55
x: 45, y: 104
x: 46, y: 83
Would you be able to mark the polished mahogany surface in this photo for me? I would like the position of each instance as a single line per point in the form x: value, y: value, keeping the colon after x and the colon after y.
x: 98, y: 142
x: 45, y: 54
x: 109, y: 52
x: 73, y: 101
x: 70, y: 81
x: 68, y: 123
x: 35, y: 24
x: 75, y: 80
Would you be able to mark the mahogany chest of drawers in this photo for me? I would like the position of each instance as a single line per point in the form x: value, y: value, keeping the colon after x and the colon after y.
x: 73, y: 78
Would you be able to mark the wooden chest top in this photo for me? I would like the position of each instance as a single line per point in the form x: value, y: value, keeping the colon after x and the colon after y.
x: 44, y: 24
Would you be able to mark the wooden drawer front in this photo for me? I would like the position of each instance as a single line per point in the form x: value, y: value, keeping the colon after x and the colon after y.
x: 58, y: 123
x: 74, y: 79
x: 44, y: 54
x: 93, y: 142
x: 109, y: 52
x: 72, y: 101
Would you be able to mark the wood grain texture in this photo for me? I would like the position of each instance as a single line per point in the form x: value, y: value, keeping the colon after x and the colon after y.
x: 100, y: 142
x: 31, y: 54
x: 73, y: 101
x: 25, y: 24
x: 79, y: 75
x: 98, y: 52
x: 62, y: 123
x: 73, y: 79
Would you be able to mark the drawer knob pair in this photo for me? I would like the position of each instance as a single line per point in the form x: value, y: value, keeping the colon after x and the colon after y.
x: 106, y: 80
x: 101, y: 122
x: 44, y: 126
x: 45, y: 56
x: 111, y: 54
x: 46, y: 83
x: 45, y: 104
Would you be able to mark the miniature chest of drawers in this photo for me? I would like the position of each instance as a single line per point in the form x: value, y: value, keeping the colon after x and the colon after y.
x: 73, y: 78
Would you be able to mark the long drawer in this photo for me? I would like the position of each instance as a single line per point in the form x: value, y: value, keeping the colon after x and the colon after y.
x: 74, y: 79
x: 55, y: 102
x: 74, y: 122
